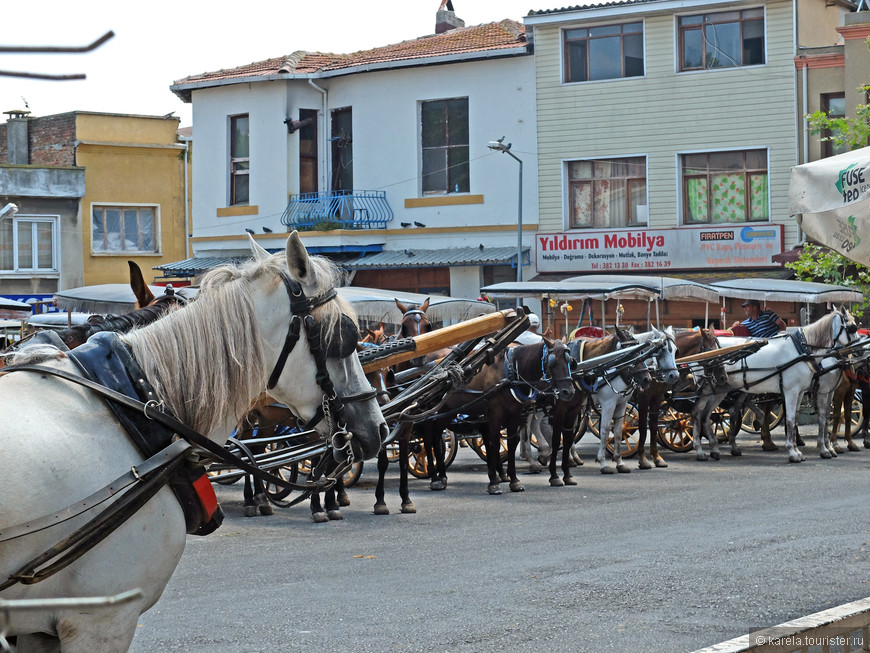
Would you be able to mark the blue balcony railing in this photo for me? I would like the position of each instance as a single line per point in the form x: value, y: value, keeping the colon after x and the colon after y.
x: 322, y: 211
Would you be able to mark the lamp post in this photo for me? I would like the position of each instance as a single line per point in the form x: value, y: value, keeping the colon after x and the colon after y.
x: 499, y: 146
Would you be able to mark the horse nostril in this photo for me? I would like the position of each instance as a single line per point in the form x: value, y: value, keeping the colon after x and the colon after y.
x: 384, y: 432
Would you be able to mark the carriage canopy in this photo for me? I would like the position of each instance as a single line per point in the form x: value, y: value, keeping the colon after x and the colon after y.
x: 784, y: 290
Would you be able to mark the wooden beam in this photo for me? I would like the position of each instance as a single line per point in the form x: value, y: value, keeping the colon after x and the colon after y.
x: 427, y: 343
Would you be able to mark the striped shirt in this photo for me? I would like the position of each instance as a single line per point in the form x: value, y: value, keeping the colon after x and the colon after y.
x: 764, y: 326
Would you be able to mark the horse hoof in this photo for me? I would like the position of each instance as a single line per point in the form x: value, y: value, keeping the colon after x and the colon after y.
x: 266, y: 509
x: 796, y: 458
x: 408, y: 508
x: 769, y: 447
x: 535, y: 468
x: 867, y: 444
x: 344, y: 501
x: 660, y: 462
x: 824, y: 453
x: 516, y: 486
x: 504, y: 478
x: 319, y: 517
x: 437, y: 486
x: 643, y: 463
x: 607, y: 469
x: 622, y: 468
x: 800, y: 442
x: 381, y: 509
x: 555, y: 481
x: 493, y: 489
x: 702, y: 457
x: 250, y: 511
x: 569, y: 480
x: 736, y: 452
x: 714, y: 455
x: 576, y: 460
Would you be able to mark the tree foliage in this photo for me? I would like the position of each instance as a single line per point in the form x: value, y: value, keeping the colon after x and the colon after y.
x: 817, y: 263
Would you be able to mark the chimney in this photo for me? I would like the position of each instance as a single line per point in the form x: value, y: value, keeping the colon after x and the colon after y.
x: 445, y: 19
x: 17, y: 137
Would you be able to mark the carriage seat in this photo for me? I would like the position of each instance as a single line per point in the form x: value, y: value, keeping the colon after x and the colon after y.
x: 741, y: 331
x: 587, y: 332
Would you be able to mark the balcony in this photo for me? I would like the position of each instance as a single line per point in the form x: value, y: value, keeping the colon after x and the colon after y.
x: 325, y: 211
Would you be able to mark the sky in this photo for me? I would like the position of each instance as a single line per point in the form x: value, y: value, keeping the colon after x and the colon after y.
x: 156, y: 43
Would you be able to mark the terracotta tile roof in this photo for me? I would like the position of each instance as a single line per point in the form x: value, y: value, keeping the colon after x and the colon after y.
x: 501, y: 35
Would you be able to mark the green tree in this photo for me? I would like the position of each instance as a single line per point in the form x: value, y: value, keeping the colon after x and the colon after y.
x: 817, y: 263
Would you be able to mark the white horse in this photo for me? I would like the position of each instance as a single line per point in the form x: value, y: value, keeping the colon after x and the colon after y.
x: 207, y: 363
x: 780, y: 367
x: 612, y: 398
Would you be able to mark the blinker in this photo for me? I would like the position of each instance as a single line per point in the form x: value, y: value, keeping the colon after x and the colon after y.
x: 345, y: 344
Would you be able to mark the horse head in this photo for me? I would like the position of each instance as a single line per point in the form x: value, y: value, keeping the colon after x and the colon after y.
x: 328, y: 328
x: 414, y: 320
x: 664, y: 358
x: 558, y: 369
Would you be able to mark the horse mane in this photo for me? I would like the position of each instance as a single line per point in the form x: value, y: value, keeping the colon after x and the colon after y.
x: 819, y: 333
x: 213, y: 386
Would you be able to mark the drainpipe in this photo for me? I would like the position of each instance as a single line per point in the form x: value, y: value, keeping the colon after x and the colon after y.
x: 323, y: 138
x: 186, y: 202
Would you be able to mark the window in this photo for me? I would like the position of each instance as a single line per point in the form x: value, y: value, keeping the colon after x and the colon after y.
x: 123, y: 229
x: 607, y: 52
x: 308, y: 151
x: 607, y: 193
x: 722, y: 40
x: 445, y: 146
x: 834, y: 105
x: 240, y: 161
x: 725, y: 187
x: 28, y: 244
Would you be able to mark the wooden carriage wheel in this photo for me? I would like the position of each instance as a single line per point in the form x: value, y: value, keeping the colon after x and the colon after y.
x: 479, y: 447
x: 777, y: 413
x: 857, y: 415
x: 675, y: 430
x: 630, y: 424
x: 418, y: 465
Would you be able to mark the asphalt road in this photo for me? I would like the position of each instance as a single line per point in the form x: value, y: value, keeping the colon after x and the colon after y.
x: 662, y: 560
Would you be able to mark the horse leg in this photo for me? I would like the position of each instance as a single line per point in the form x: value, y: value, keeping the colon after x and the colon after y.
x: 616, y: 429
x: 383, y: 463
x: 557, y: 434
x: 764, y: 417
x: 532, y: 427
x: 824, y: 445
x: 865, y: 406
x: 404, y: 451
x: 341, y: 493
x: 333, y: 510
x: 513, y: 439
x: 847, y: 414
x: 700, y: 419
x: 642, y: 428
x: 248, y: 493
x: 493, y: 462
x: 544, y: 435
x: 791, y: 403
x: 260, y: 498
x: 567, y: 460
x: 654, y: 412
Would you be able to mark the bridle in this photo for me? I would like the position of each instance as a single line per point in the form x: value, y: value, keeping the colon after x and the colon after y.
x: 332, y: 407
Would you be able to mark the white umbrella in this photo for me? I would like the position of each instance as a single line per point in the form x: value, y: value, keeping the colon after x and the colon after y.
x: 830, y: 199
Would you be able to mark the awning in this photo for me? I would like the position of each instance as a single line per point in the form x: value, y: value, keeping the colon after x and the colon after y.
x: 103, y: 299
x: 670, y: 288
x: 428, y: 258
x: 14, y: 309
x: 571, y: 290
x: 376, y: 305
x: 830, y: 199
x: 191, y: 267
x: 784, y: 290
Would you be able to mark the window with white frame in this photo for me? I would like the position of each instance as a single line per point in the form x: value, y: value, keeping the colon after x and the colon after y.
x: 444, y: 141
x: 605, y: 193
x: 124, y: 230
x: 603, y: 52
x: 240, y: 160
x: 29, y: 244
x: 725, y: 187
x: 726, y: 39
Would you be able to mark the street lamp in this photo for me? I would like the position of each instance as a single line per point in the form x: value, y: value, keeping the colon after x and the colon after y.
x: 499, y: 146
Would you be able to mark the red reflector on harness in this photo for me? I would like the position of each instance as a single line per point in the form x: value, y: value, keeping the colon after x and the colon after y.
x: 206, y: 495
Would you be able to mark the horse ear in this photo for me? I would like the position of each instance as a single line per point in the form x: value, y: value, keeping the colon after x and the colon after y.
x: 297, y: 257
x: 425, y: 305
x: 143, y: 293
x: 401, y: 306
x: 260, y: 254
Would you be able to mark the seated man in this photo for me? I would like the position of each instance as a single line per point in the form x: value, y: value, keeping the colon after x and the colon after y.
x: 761, y: 323
x: 530, y: 337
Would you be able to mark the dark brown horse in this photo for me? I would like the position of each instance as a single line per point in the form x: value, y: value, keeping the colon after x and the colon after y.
x: 498, y: 396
